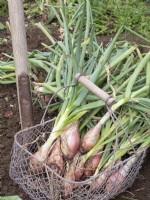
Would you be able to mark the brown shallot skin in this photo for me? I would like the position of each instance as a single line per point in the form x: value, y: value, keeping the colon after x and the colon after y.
x: 55, y: 159
x: 70, y: 141
x: 91, y: 165
x: 36, y: 162
x: 117, y: 178
x: 79, y: 171
x: 36, y: 166
x: 99, y: 181
x: 114, y: 182
x: 70, y: 175
x: 90, y: 139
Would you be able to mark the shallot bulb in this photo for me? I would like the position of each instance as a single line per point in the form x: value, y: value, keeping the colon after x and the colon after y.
x: 79, y: 171
x: 91, y: 165
x: 114, y: 182
x: 90, y: 139
x: 36, y: 162
x: 70, y: 140
x: 99, y: 181
x: 70, y: 175
x: 55, y: 159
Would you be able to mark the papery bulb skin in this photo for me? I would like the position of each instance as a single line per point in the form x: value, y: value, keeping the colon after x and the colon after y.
x: 91, y: 165
x: 90, y: 139
x: 79, y: 171
x: 70, y: 141
x: 55, y: 158
x: 114, y: 182
x: 70, y: 175
x: 99, y: 181
x: 36, y: 162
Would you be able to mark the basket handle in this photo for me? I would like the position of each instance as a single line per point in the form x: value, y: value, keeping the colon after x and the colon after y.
x: 95, y: 89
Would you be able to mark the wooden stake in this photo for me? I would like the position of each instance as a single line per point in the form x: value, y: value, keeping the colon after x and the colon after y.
x: 16, y: 15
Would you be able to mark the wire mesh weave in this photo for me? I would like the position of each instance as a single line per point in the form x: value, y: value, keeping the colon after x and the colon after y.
x: 47, y: 185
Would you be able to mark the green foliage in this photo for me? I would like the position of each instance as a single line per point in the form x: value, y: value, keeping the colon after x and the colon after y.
x: 34, y: 8
x: 10, y: 198
x: 2, y: 41
x: 1, y: 26
x: 109, y: 15
x: 3, y: 8
x: 131, y: 13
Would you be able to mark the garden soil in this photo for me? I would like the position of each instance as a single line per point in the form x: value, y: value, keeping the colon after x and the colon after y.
x: 10, y: 124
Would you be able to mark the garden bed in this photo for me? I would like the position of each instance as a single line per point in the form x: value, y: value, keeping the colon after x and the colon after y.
x: 9, y: 123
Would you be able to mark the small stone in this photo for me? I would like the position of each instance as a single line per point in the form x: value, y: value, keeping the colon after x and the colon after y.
x: 2, y: 146
x: 9, y: 114
x: 11, y: 183
x: 6, y: 99
x: 9, y: 136
x: 47, y: 98
x: 21, y: 195
x: 11, y: 105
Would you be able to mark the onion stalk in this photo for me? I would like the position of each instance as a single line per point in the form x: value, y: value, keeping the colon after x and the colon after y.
x: 74, y: 98
x: 82, y: 121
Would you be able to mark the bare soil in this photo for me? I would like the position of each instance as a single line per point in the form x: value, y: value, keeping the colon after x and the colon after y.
x: 10, y: 123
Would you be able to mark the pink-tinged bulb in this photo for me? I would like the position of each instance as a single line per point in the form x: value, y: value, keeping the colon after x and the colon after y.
x: 79, y: 171
x: 70, y: 140
x: 117, y: 179
x: 90, y: 139
x: 91, y: 165
x: 55, y: 159
x: 114, y: 182
x: 99, y: 181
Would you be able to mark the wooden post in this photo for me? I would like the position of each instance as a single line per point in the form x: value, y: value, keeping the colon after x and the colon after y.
x: 16, y: 15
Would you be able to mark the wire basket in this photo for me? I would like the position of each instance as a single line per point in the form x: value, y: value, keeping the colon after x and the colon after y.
x: 47, y: 185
